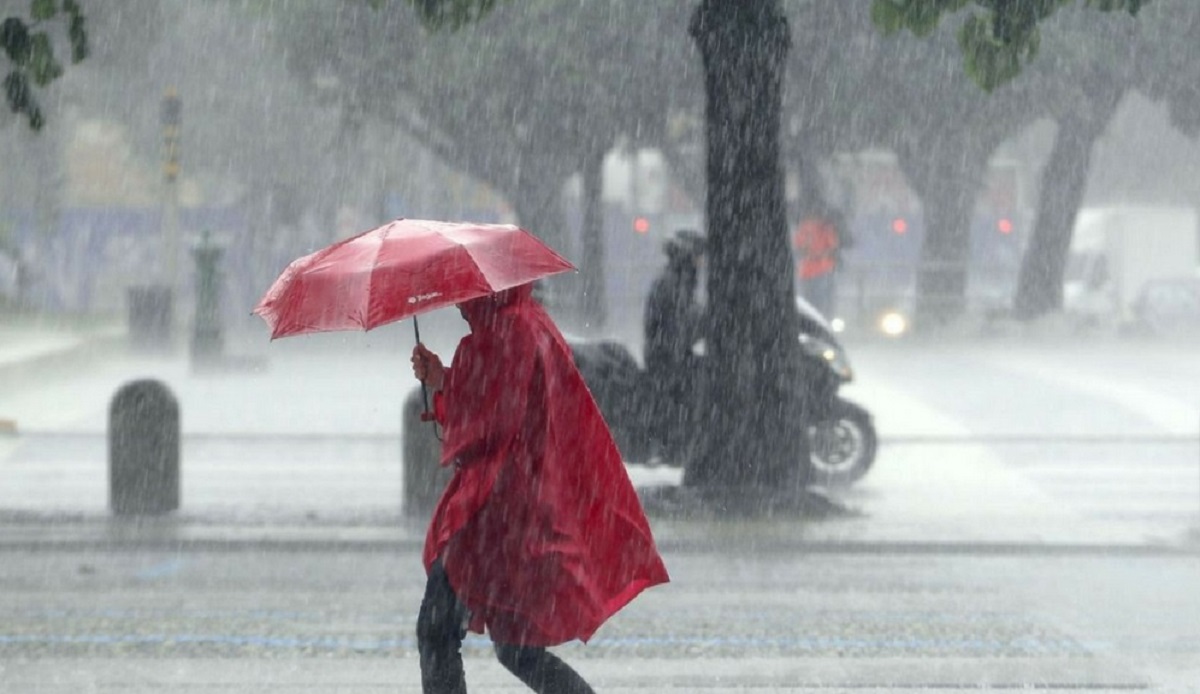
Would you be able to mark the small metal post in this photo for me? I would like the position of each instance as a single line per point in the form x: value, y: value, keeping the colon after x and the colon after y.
x: 208, y: 343
x: 172, y: 122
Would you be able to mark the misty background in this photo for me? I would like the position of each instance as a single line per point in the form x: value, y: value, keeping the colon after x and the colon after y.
x: 305, y: 122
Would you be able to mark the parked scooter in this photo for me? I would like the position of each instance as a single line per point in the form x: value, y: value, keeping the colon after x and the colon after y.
x: 842, y: 437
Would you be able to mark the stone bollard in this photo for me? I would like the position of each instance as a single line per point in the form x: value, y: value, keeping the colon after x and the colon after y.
x: 424, y: 479
x: 143, y: 449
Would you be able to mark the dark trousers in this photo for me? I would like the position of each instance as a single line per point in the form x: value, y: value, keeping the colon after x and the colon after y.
x: 440, y: 631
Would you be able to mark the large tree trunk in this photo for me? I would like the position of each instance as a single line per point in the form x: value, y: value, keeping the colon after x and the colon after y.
x: 810, y: 189
x: 1064, y: 180
x: 593, y: 309
x: 748, y: 427
x: 947, y: 177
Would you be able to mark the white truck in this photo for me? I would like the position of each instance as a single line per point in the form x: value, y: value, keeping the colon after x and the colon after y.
x: 1115, y: 251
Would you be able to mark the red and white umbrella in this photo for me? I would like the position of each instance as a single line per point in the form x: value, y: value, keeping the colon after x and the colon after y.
x: 401, y: 269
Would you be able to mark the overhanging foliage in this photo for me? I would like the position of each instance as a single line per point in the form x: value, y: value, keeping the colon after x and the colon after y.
x: 30, y: 51
x: 998, y: 37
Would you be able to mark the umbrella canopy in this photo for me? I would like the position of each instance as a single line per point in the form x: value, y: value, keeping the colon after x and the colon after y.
x: 401, y: 269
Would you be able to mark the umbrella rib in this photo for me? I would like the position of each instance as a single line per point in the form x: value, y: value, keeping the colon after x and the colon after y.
x: 479, y: 266
x: 371, y: 274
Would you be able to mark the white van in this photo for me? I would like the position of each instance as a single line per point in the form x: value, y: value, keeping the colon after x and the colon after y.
x: 1116, y: 251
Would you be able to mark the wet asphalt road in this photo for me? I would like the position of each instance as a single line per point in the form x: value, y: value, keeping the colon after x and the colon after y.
x: 75, y: 621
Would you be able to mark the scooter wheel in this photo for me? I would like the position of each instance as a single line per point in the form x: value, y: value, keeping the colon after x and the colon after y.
x: 842, y: 448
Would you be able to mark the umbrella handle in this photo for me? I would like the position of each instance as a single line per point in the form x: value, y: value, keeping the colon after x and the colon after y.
x: 424, y: 389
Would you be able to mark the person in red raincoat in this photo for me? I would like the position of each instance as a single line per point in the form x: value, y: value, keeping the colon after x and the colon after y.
x: 539, y: 536
x: 816, y: 241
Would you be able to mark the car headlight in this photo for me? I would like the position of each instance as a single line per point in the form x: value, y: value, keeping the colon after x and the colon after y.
x: 893, y: 324
x: 829, y: 353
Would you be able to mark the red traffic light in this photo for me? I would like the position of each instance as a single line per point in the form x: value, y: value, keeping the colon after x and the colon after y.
x: 899, y: 226
x: 641, y: 225
x: 1004, y: 226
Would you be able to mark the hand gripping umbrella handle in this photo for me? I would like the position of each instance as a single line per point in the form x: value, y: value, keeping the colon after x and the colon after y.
x: 424, y: 389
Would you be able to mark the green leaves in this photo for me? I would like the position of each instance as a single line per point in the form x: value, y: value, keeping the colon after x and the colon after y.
x: 42, y: 10
x: 990, y: 61
x: 448, y: 14
x: 76, y: 30
x: 920, y: 17
x: 42, y: 66
x: 31, y: 53
x: 997, y: 39
x: 1131, y: 6
x: 14, y: 37
x: 20, y: 99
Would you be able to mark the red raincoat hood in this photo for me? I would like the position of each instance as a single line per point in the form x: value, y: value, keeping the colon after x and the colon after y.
x: 482, y: 312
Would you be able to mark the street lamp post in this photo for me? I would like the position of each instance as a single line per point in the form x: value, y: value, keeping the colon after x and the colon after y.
x: 172, y: 120
x: 151, y: 305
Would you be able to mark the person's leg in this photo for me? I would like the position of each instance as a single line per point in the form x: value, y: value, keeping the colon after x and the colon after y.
x: 831, y: 293
x: 541, y: 670
x: 439, y: 636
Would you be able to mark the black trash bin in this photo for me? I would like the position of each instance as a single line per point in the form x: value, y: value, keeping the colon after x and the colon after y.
x: 150, y: 316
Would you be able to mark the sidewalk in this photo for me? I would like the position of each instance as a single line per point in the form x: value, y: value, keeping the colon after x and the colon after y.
x: 29, y: 347
x: 257, y: 474
x: 29, y: 340
x: 401, y: 535
x: 616, y: 675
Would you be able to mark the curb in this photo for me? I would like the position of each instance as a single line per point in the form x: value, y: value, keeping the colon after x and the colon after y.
x: 413, y: 546
x: 47, y: 534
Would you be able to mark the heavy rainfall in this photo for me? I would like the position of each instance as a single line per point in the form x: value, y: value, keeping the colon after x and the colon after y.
x: 885, y: 314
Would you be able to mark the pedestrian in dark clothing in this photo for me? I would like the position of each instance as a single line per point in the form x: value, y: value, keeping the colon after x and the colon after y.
x: 539, y: 536
x: 674, y: 322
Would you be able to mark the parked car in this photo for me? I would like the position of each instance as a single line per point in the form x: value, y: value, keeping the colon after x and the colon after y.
x: 1168, y: 306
